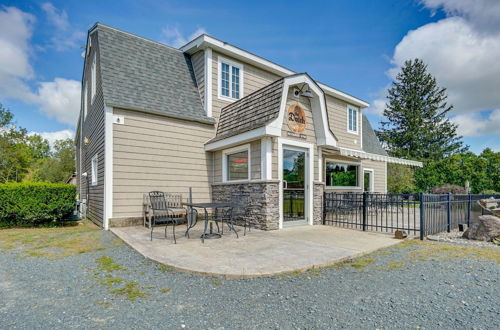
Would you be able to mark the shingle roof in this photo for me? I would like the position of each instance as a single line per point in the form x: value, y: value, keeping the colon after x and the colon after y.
x: 370, y: 140
x: 253, y: 111
x: 142, y: 74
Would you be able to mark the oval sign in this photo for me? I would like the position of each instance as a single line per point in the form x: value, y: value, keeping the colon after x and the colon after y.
x: 296, y: 118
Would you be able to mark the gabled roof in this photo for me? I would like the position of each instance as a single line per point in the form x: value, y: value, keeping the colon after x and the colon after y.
x: 145, y: 75
x: 370, y: 140
x: 253, y: 111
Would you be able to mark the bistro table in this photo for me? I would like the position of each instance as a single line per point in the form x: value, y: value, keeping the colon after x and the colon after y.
x: 205, y: 206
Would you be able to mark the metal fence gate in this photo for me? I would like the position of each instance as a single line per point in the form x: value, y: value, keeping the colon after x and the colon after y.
x: 417, y: 214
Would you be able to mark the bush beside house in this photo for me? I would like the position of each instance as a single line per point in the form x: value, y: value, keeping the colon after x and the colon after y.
x: 28, y: 204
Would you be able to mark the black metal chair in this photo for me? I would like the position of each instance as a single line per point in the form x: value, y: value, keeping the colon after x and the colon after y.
x: 240, y: 210
x: 166, y: 209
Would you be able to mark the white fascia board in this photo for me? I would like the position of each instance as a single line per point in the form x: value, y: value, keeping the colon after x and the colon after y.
x: 108, y: 166
x: 324, y: 135
x: 228, y: 49
x: 241, y: 138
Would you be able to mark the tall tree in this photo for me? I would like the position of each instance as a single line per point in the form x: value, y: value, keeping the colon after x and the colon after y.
x: 416, y: 125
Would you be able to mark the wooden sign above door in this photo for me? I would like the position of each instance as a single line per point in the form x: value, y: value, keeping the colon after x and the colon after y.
x: 296, y: 119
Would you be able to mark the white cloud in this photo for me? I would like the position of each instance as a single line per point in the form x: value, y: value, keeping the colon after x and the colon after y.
x: 60, y: 99
x: 65, y: 36
x: 473, y: 124
x: 16, y: 28
x: 58, y: 18
x: 52, y: 137
x: 462, y: 52
x: 173, y: 36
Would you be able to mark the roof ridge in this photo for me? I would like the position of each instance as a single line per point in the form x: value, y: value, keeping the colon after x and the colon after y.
x: 99, y: 24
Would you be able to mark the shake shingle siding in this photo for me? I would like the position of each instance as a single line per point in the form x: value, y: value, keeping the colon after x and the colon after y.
x: 251, y: 112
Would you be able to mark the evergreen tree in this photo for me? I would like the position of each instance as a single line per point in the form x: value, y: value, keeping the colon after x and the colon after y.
x: 416, y: 126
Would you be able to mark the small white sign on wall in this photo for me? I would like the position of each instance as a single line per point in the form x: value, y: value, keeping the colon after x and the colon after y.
x: 120, y: 120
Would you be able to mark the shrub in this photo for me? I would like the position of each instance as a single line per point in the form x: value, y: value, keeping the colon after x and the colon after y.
x: 28, y: 204
x: 449, y: 188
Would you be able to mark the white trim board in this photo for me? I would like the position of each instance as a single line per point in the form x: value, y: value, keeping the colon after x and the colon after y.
x: 309, y: 148
x: 208, y: 81
x: 108, y: 167
x: 227, y: 152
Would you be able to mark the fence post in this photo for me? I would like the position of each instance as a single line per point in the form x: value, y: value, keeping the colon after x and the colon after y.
x: 323, y: 214
x: 365, y: 203
x: 469, y: 206
x: 448, y: 213
x: 422, y: 216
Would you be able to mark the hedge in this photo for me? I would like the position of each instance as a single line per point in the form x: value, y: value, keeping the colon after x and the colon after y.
x: 28, y: 204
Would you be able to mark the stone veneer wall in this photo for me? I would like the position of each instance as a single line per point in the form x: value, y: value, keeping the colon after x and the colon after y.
x: 263, y: 194
x: 318, y: 190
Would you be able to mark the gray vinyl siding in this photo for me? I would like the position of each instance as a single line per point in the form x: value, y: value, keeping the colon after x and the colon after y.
x: 93, y: 129
x: 198, y: 61
x: 152, y: 152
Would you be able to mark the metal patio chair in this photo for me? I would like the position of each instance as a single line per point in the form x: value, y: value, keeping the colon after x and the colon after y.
x: 166, y: 209
x: 240, y: 210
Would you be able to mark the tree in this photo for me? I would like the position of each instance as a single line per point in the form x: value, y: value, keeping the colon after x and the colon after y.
x: 56, y: 168
x: 416, y: 125
x: 400, y: 179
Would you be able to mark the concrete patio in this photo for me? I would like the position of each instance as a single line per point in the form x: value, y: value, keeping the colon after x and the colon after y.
x: 259, y: 253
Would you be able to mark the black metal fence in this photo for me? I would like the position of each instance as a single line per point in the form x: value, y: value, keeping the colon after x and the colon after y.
x: 417, y: 214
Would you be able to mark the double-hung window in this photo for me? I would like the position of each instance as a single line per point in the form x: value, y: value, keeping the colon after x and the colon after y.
x: 230, y: 79
x: 93, y: 170
x: 352, y: 120
x: 236, y: 164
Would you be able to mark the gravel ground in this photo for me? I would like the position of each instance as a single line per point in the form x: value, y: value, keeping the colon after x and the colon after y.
x: 395, y: 290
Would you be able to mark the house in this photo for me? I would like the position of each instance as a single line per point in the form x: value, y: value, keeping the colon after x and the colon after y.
x: 218, y: 119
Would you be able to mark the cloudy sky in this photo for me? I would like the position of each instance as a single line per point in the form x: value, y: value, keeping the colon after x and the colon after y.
x: 355, y: 46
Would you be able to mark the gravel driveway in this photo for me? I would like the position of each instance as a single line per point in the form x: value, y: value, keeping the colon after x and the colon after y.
x: 408, y: 286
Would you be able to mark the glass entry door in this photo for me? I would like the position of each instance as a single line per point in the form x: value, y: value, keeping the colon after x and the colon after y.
x: 294, y: 178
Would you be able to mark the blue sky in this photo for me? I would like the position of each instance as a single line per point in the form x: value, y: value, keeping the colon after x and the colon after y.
x: 354, y: 46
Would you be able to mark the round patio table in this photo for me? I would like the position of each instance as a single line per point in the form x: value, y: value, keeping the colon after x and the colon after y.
x: 205, y: 206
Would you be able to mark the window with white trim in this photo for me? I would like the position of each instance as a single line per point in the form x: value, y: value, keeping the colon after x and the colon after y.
x: 230, y: 79
x: 93, y: 78
x: 341, y: 174
x: 93, y: 170
x: 352, y: 120
x: 236, y: 164
x: 85, y: 101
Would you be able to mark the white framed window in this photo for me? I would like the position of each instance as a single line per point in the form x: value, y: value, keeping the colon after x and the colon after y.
x: 342, y: 174
x: 230, y: 79
x: 368, y: 179
x: 93, y: 170
x: 236, y: 163
x: 352, y: 120
x: 85, y: 101
x: 93, y: 79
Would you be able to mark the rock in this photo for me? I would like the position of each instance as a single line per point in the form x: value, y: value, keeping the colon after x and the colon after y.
x: 400, y: 234
x: 486, y: 228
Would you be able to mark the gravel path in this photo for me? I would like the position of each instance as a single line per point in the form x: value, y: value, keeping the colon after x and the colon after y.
x: 392, y: 291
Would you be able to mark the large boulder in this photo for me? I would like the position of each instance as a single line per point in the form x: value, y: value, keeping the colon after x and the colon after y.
x: 486, y: 228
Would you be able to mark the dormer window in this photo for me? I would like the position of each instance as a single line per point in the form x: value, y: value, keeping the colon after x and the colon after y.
x: 352, y: 120
x: 230, y: 79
